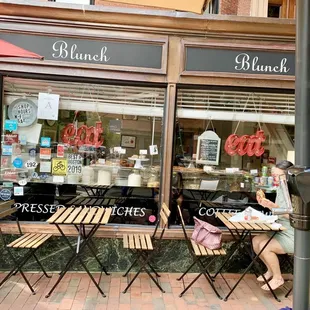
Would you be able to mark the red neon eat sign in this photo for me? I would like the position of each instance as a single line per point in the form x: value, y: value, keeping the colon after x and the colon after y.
x: 250, y: 145
x: 83, y: 136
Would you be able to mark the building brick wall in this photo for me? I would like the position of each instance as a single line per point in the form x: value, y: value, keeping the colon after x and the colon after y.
x: 229, y: 7
x: 244, y: 8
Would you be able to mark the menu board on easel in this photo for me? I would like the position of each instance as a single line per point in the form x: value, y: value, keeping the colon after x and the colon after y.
x: 208, y: 148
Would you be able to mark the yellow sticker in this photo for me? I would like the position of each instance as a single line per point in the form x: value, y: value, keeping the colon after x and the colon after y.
x: 59, y: 166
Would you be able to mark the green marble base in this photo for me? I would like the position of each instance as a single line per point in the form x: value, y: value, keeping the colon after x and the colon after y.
x: 173, y: 257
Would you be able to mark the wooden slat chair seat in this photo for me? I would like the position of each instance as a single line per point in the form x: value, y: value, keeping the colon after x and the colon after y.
x: 199, y: 254
x: 138, y: 242
x: 200, y: 250
x: 31, y: 242
x: 143, y: 246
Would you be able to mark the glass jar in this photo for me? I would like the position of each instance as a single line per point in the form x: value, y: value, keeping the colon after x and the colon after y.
x: 153, y: 180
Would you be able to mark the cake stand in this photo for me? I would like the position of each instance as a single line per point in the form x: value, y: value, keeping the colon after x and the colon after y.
x: 138, y: 162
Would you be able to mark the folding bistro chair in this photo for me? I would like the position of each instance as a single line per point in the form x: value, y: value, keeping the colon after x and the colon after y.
x: 144, y: 246
x: 200, y: 254
x: 287, y: 259
x: 31, y: 242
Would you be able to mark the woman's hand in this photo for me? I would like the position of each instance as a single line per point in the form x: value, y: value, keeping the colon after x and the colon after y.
x: 266, y: 203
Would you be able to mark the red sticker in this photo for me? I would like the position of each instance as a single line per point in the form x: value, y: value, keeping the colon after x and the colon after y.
x: 60, y: 150
x: 10, y: 138
x: 45, y: 153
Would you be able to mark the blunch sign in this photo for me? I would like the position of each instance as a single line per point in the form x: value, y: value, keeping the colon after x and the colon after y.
x: 66, y: 51
x: 244, y: 62
x: 240, y: 61
x: 100, y: 51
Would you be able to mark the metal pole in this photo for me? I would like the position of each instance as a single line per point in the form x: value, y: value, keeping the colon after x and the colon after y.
x: 301, y: 290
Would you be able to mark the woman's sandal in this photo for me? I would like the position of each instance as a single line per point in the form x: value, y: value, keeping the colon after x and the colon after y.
x: 267, y: 275
x: 274, y: 284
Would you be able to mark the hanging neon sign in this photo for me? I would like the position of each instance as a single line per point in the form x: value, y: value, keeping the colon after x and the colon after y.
x: 246, y: 145
x: 84, y: 135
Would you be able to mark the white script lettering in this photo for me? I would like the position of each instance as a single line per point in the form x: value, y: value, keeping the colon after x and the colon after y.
x: 64, y: 51
x: 246, y: 63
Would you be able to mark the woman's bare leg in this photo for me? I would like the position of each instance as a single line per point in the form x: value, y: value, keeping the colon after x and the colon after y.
x: 258, y: 242
x: 269, y: 255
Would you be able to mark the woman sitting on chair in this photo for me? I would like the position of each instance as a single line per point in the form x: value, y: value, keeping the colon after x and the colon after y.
x: 283, y: 242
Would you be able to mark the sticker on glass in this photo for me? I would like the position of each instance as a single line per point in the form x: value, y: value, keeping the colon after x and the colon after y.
x: 24, y: 111
x: 18, y: 162
x: 31, y: 164
x: 7, y: 150
x: 45, y: 141
x: 22, y: 182
x: 10, y: 125
x: 18, y: 191
x: 45, y: 166
x: 5, y: 194
x: 45, y: 153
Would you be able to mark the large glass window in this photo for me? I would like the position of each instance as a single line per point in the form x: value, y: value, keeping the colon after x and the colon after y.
x: 80, y: 144
x: 226, y: 144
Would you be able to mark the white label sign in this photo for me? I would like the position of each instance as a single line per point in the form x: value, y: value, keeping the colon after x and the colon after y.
x: 48, y: 105
x: 143, y: 152
x: 31, y: 164
x: 46, y: 166
x: 58, y: 179
x: 74, y: 164
x: 153, y: 150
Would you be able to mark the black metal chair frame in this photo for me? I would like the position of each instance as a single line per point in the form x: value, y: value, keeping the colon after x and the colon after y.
x: 19, y: 263
x: 144, y: 257
x: 288, y: 260
x: 199, y: 261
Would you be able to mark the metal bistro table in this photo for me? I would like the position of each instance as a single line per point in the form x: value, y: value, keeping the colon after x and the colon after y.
x: 80, y: 218
x: 96, y: 190
x: 239, y: 232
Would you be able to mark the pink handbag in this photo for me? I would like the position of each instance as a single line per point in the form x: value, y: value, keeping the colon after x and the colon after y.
x: 207, y: 235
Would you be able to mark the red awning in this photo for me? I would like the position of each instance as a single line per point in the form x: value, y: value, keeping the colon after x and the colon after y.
x: 10, y: 50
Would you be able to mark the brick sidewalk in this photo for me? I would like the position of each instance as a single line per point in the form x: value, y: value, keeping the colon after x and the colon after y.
x: 76, y: 292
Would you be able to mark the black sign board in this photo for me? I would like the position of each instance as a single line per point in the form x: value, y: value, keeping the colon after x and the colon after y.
x: 209, y: 149
x: 239, y: 61
x: 103, y: 52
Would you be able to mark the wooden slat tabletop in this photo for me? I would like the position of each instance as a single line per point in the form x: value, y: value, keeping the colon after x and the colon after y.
x: 224, y: 217
x: 85, y: 216
x: 10, y: 211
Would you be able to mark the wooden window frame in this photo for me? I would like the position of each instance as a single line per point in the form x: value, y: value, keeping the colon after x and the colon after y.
x: 287, y: 7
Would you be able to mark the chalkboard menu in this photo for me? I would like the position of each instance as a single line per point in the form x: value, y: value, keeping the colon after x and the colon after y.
x: 208, y: 148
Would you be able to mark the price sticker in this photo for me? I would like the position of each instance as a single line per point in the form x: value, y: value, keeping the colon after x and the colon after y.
x: 74, y: 164
x: 31, y: 164
x: 143, y: 152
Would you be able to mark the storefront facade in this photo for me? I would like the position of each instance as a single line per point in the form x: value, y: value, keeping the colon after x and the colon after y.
x: 133, y: 100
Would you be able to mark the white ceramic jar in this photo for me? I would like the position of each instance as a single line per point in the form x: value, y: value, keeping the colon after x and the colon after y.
x: 134, y: 179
